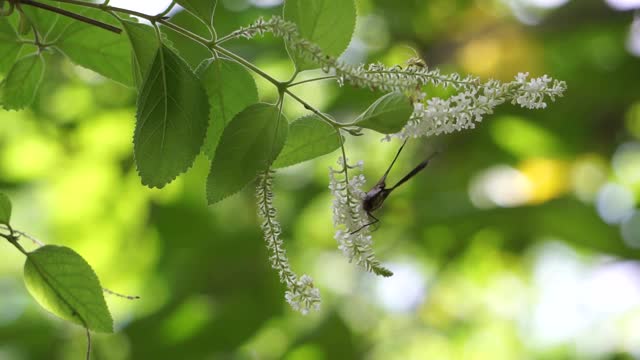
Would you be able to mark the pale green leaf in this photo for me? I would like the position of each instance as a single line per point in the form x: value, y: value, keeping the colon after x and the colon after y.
x: 249, y: 144
x: 21, y: 83
x: 9, y: 44
x: 387, y: 115
x: 231, y: 89
x: 326, y: 23
x: 144, y: 46
x: 309, y: 137
x: 203, y: 9
x: 5, y: 209
x: 172, y: 119
x: 64, y: 283
x: 105, y: 52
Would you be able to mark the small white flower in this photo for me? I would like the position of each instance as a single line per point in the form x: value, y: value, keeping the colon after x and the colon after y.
x: 349, y: 216
x: 300, y: 294
x: 463, y: 110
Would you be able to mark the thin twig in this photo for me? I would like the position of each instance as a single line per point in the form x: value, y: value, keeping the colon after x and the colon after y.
x: 128, y: 297
x: 88, y: 343
x: 33, y: 239
x: 72, y: 15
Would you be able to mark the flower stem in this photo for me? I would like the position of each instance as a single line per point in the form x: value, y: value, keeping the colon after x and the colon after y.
x: 312, y: 80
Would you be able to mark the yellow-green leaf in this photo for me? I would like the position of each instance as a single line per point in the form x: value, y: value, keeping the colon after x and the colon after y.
x: 64, y: 284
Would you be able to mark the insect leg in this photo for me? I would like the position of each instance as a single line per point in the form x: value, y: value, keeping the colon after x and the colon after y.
x: 375, y: 220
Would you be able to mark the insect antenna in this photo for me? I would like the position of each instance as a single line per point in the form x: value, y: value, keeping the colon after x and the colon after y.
x: 384, y: 177
x: 416, y: 170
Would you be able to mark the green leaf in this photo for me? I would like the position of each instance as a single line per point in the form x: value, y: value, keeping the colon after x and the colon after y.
x: 193, y: 52
x: 231, y: 89
x: 203, y: 9
x: 309, y: 137
x: 5, y: 209
x: 172, y: 119
x: 9, y: 45
x: 105, y: 52
x: 21, y: 84
x: 327, y: 23
x: 64, y: 283
x: 388, y: 114
x: 249, y: 144
x: 44, y: 21
x: 144, y: 46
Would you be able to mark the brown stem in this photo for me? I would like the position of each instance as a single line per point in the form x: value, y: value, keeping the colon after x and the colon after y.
x: 72, y: 15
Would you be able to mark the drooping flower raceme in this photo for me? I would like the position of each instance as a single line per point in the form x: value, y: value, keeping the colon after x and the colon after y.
x: 301, y: 294
x: 435, y: 116
x: 350, y: 219
x: 432, y: 115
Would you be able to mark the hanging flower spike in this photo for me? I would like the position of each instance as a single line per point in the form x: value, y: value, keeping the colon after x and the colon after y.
x: 348, y: 216
x: 301, y: 293
x: 437, y: 116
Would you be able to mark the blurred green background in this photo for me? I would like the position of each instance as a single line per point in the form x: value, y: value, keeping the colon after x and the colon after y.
x: 521, y: 241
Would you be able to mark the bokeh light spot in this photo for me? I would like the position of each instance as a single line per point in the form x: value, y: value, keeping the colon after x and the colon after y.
x: 626, y: 163
x: 588, y: 174
x: 500, y: 185
x: 614, y: 203
x: 524, y: 138
x: 630, y: 230
x: 624, y: 4
x: 633, y: 41
x: 549, y: 178
x: 404, y: 291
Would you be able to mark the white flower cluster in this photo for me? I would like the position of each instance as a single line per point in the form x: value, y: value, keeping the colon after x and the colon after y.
x: 435, y: 116
x: 372, y: 76
x: 349, y: 216
x: 301, y: 294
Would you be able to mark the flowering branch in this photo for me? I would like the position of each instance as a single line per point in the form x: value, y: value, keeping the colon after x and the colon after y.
x: 301, y: 293
x: 349, y: 216
x: 436, y: 116
x: 373, y: 76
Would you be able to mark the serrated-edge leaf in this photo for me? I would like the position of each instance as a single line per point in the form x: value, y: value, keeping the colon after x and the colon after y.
x: 5, y: 209
x: 172, y: 120
x: 388, y: 114
x: 21, y: 84
x: 9, y: 44
x: 249, y: 145
x: 65, y: 284
x: 334, y: 37
x: 144, y: 47
x: 309, y: 137
x: 230, y: 88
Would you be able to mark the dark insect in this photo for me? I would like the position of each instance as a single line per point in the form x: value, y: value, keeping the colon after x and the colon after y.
x: 375, y: 197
